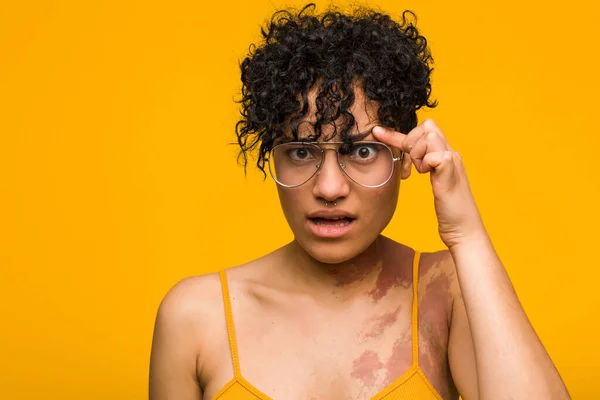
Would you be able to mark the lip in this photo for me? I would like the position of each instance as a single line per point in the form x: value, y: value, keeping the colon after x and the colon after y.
x: 329, y: 231
x: 329, y: 213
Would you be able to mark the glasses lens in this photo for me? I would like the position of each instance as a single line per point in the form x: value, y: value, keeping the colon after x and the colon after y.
x: 292, y: 164
x: 367, y: 163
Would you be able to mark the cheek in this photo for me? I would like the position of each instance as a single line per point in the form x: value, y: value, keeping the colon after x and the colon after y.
x: 394, y: 190
x: 291, y: 201
x: 382, y: 201
x: 379, y: 206
x: 377, y: 210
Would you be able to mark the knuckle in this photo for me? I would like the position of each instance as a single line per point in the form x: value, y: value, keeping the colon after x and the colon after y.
x: 432, y: 135
x: 429, y: 123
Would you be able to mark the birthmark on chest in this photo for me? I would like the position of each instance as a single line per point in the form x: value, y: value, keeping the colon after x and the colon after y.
x: 370, y: 371
x: 365, y: 368
x: 399, y: 361
x: 381, y: 323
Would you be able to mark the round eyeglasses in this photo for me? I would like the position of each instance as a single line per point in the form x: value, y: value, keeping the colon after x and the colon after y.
x: 369, y: 164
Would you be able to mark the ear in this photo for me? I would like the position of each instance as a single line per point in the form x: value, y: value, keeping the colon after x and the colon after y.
x: 406, y: 166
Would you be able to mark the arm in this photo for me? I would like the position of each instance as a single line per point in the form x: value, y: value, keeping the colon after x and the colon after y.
x: 509, y: 358
x: 494, y: 353
x: 173, y: 359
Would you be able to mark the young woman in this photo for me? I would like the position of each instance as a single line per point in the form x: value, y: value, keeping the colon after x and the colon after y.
x: 342, y: 312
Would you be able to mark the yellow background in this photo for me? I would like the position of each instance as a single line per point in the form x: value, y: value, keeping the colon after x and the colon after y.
x: 116, y: 180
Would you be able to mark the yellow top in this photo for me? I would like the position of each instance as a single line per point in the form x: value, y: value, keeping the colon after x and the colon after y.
x: 410, y: 385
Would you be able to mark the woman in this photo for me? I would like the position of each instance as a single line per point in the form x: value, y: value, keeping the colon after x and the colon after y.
x: 342, y: 312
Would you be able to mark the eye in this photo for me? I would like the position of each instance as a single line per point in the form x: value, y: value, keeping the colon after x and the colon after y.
x: 299, y: 153
x: 364, y: 152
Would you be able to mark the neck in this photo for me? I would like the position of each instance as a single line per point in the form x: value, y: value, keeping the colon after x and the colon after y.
x: 344, y: 280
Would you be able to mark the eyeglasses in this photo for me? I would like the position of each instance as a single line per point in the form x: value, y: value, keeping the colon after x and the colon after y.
x: 369, y: 164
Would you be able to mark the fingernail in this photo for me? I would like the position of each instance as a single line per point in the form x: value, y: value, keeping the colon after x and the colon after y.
x: 378, y: 130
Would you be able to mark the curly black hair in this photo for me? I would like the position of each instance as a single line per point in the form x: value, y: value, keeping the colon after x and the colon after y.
x: 332, y: 52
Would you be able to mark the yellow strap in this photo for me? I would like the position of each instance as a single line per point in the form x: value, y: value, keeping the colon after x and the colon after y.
x: 415, y: 310
x: 229, y: 319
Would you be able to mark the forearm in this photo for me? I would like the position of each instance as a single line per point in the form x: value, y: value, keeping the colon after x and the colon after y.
x: 511, y: 361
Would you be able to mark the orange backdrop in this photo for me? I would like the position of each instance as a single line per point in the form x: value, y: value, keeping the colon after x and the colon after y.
x: 116, y: 179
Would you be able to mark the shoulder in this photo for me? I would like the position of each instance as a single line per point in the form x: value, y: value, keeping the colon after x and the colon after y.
x: 436, y: 263
x: 191, y: 312
x: 190, y: 329
x: 438, y: 281
x: 190, y: 298
x: 187, y: 323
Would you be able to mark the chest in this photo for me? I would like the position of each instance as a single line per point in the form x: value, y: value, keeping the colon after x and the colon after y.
x: 337, y: 361
x: 308, y: 353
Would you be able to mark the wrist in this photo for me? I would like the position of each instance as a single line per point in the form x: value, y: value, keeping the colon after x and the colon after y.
x: 469, y: 240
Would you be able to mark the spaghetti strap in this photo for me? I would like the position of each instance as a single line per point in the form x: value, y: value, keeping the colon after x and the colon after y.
x: 229, y: 321
x: 415, y: 310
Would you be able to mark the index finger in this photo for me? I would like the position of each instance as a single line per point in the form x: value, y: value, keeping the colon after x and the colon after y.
x: 424, y: 128
x: 390, y: 137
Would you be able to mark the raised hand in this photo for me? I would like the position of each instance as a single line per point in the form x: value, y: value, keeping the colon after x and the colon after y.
x: 430, y: 152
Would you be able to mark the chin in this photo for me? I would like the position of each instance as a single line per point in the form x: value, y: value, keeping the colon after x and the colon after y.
x: 334, y: 251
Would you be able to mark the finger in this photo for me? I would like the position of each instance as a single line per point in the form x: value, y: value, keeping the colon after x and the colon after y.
x: 421, y: 130
x: 429, y: 125
x: 389, y: 137
x: 406, y: 142
x: 440, y: 163
x: 430, y: 143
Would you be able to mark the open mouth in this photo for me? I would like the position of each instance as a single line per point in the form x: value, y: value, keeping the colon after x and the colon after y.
x: 331, y: 226
x: 334, y: 221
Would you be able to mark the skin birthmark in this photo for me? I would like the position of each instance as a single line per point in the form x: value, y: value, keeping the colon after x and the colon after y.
x: 369, y: 370
x: 435, y: 303
x: 381, y: 323
x: 399, y: 361
x: 357, y: 271
x: 431, y: 261
x: 393, y: 273
x: 365, y: 367
x: 436, y: 300
x: 349, y: 275
x: 435, y: 328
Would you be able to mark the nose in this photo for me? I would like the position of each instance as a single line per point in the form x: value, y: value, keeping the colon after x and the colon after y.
x: 331, y: 183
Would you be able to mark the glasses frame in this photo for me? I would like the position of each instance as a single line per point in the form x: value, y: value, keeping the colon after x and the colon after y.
x: 322, y: 146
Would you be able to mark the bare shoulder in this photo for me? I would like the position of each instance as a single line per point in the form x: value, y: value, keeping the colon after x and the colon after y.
x: 436, y: 262
x: 191, y: 299
x: 189, y: 318
x: 438, y: 279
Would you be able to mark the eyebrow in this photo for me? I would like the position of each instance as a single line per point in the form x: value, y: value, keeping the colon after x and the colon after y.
x: 361, y: 135
x: 354, y: 136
